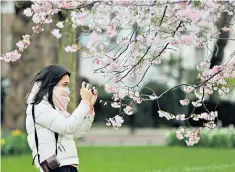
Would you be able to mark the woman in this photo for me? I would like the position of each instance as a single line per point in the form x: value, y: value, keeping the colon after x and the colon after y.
x: 51, y: 129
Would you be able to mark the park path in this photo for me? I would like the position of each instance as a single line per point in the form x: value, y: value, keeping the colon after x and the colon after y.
x: 106, y: 136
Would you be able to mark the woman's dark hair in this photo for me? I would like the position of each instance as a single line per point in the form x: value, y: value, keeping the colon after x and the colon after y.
x: 48, y: 77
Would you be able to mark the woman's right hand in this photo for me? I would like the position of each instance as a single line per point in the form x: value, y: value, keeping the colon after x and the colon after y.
x: 85, y: 92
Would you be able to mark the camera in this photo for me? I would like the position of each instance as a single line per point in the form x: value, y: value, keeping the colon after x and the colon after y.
x: 91, y: 88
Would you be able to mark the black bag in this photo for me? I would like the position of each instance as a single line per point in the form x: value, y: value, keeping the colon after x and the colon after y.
x: 51, y: 162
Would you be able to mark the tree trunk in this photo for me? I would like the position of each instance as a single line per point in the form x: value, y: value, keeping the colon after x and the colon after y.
x: 41, y: 53
x: 218, y: 52
x: 69, y: 61
x: 73, y: 65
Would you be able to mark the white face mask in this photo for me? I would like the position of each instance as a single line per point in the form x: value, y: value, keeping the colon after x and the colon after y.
x: 65, y: 88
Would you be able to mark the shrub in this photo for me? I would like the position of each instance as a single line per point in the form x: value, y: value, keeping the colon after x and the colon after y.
x: 216, y: 138
x: 14, y: 143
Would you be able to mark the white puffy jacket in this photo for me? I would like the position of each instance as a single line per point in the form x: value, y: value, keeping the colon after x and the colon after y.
x: 48, y: 121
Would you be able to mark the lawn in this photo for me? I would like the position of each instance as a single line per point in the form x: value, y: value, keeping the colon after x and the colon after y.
x: 140, y: 159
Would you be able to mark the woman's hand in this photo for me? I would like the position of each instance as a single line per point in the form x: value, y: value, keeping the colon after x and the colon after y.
x: 94, y: 96
x: 85, y: 92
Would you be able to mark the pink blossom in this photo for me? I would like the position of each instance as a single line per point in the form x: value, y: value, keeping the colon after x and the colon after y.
x: 140, y: 38
x: 209, y: 116
x: 128, y: 110
x: 188, y: 89
x: 108, y: 124
x: 11, y: 56
x: 116, y: 122
x: 115, y: 105
x: 114, y: 65
x: 20, y: 45
x: 203, y: 24
x: 122, y: 93
x: 37, y: 8
x: 184, y: 102
x: 167, y: 115
x: 116, y: 97
x: 124, y: 2
x: 216, y: 69
x: 72, y: 48
x: 180, y: 117
x: 217, y: 34
x: 210, y: 125
x: 193, y: 136
x: 137, y: 94
x: 227, y: 29
x: 174, y: 42
x: 211, y: 4
x: 137, y: 99
x: 153, y: 97
x: 67, y: 4
x: 110, y: 88
x: 179, y: 134
x: 203, y: 66
x: 207, y: 90
x: 98, y: 61
x: 93, y: 39
x: 28, y: 12
x: 24, y: 43
x: 39, y: 18
x: 196, y: 104
x: 228, y: 75
x: 187, y: 39
x: 79, y: 19
x: 189, y: 143
x: 37, y: 28
x: 222, y: 81
x: 106, y: 61
x: 119, y: 119
x: 56, y: 33
x: 151, y: 39
x: 60, y: 25
x: 204, y: 115
x: 196, y: 117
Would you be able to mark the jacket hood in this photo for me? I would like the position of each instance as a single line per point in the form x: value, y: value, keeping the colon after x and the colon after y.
x: 33, y: 92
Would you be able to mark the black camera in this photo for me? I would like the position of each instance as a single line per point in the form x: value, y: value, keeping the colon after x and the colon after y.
x: 91, y: 88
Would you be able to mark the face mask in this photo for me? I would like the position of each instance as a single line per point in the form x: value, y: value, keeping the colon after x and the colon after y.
x: 61, y: 97
x: 65, y: 88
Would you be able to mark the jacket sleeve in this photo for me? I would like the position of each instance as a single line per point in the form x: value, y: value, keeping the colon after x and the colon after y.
x: 85, y: 127
x: 50, y: 118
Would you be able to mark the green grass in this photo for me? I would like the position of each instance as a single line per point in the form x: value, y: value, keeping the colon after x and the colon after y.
x: 140, y: 159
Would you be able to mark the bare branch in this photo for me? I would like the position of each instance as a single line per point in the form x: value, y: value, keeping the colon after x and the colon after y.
x: 163, y: 15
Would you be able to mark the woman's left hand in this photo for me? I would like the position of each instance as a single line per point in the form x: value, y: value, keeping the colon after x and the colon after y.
x: 94, y: 97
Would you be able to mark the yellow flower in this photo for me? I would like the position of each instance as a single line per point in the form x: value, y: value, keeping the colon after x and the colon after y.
x: 3, y: 141
x: 15, y: 132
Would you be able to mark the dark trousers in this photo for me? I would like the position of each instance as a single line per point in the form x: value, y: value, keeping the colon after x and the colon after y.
x: 67, y: 168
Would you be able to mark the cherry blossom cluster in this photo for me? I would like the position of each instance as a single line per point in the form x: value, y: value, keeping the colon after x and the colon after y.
x: 115, y: 122
x: 192, y: 137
